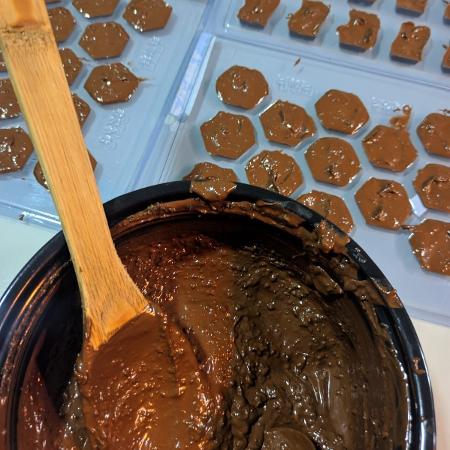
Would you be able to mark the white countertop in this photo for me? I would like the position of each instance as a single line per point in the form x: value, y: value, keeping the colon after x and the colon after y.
x: 19, y: 241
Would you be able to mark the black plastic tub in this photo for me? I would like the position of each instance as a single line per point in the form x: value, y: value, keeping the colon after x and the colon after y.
x: 27, y: 316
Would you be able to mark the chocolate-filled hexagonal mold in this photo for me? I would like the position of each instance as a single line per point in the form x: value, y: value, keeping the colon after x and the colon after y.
x: 286, y: 123
x: 228, y: 135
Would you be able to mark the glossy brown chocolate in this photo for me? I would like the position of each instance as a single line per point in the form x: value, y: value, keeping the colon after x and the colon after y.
x: 432, y: 183
x: 333, y: 161
x: 410, y: 42
x: 15, y: 149
x: 434, y: 133
x: 287, y: 123
x: 447, y: 12
x: 329, y: 206
x: 412, y: 6
x: 39, y: 425
x: 9, y: 107
x: 257, y: 12
x: 341, y: 111
x: 111, y: 83
x: 62, y: 23
x: 259, y: 311
x: 389, y: 148
x: 274, y: 170
x: 95, y: 8
x: 430, y: 242
x: 147, y: 15
x: 361, y: 31
x: 308, y: 19
x: 242, y: 87
x: 285, y: 438
x: 71, y: 64
x: 446, y: 59
x: 149, y: 374
x: 39, y: 174
x: 211, y: 182
x: 383, y: 203
x: 82, y: 109
x: 228, y: 135
x: 104, y: 40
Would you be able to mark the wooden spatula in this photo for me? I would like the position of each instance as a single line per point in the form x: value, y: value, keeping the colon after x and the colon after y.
x: 110, y: 298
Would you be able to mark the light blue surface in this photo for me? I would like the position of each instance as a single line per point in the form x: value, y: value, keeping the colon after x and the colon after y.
x: 326, y: 45
x: 117, y: 135
x: 383, y: 86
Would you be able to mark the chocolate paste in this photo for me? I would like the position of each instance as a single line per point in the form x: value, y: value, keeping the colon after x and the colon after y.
x: 412, y: 6
x: 430, y: 242
x: 341, y: 111
x: 111, y: 83
x: 228, y: 135
x: 62, y: 23
x: 242, y: 87
x: 432, y: 183
x: 410, y: 42
x: 96, y: 8
x: 147, y: 15
x: 389, y: 148
x: 82, y: 109
x: 39, y: 174
x: 306, y: 22
x: 164, y: 403
x: 446, y: 59
x: 211, y: 181
x: 383, y: 203
x: 361, y: 31
x: 9, y: 107
x: 329, y: 206
x: 2, y: 63
x: 39, y: 425
x: 434, y: 133
x: 104, y: 40
x: 276, y: 343
x: 15, y: 149
x: 71, y: 64
x: 257, y: 12
x: 274, y: 170
x: 287, y: 123
x: 333, y: 161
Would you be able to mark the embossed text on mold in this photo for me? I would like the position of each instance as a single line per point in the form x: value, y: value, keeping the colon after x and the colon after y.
x: 114, y: 128
x: 385, y: 106
x: 151, y: 53
x: 294, y: 85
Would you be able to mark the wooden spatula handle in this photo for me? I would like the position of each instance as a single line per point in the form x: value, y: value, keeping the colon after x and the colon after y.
x: 48, y: 108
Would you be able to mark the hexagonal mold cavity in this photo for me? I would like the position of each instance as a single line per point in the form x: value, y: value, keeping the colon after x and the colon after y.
x: 104, y: 40
x: 332, y: 161
x: 242, y: 87
x: 341, y: 111
x: 228, y: 135
x: 95, y: 8
x: 389, y: 148
x: 111, y: 83
x: 286, y: 123
x: 147, y: 15
x: 63, y: 23
x: 383, y: 203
